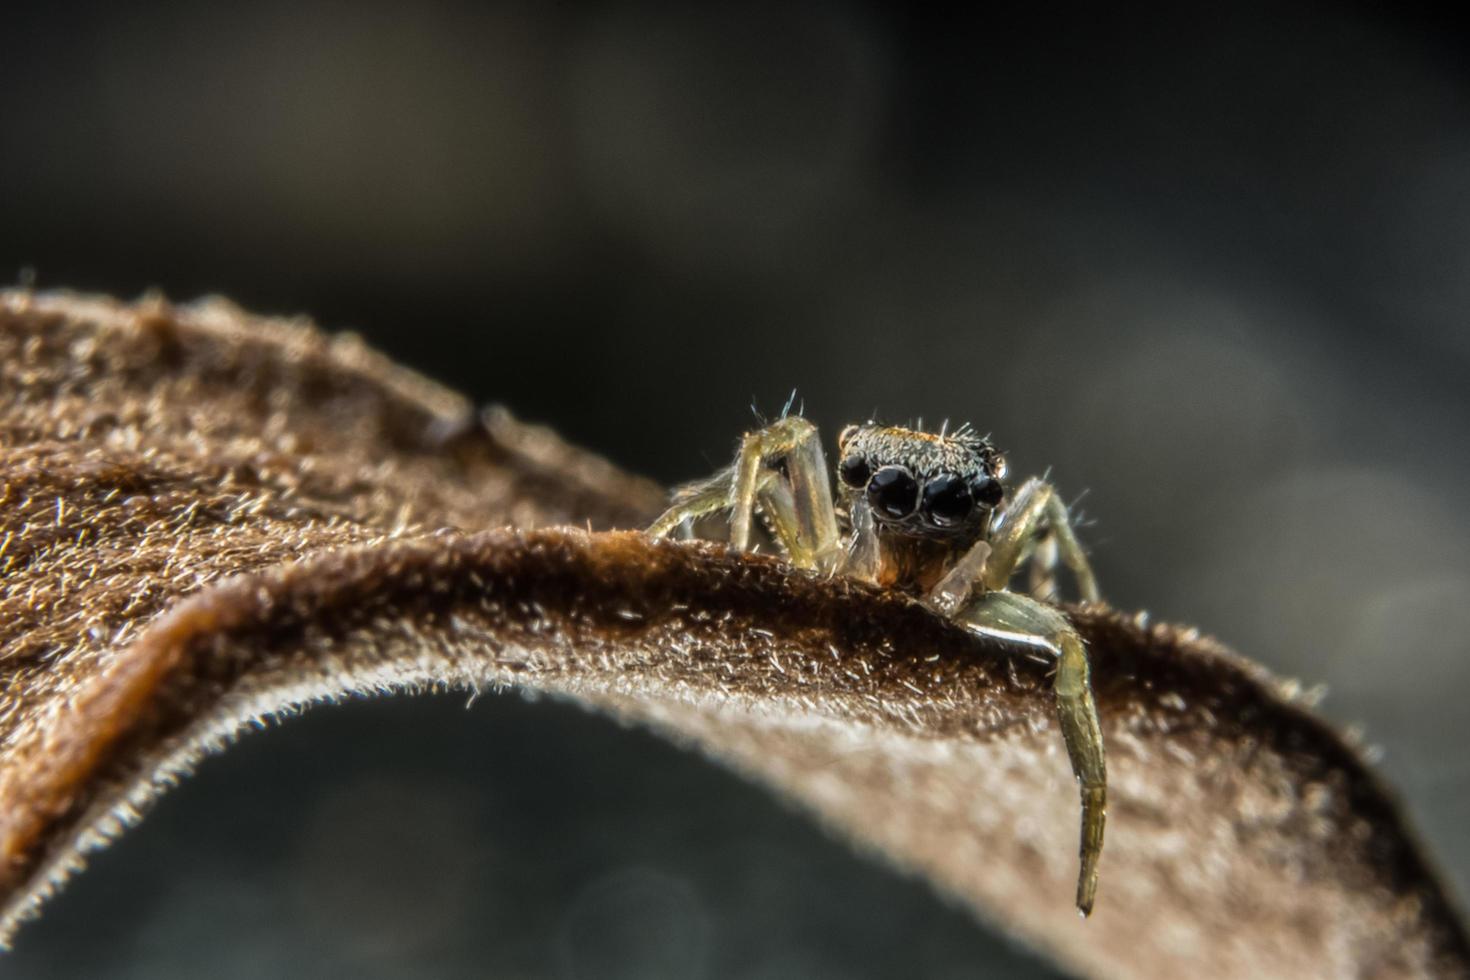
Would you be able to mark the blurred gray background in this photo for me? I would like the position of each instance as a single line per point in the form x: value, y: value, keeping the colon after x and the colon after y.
x: 1209, y: 268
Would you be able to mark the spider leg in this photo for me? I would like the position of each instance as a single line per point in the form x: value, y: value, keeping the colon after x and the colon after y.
x: 782, y: 469
x: 793, y: 447
x: 1041, y: 581
x: 863, y: 556
x: 1021, y: 619
x: 694, y: 500
x: 1033, y: 514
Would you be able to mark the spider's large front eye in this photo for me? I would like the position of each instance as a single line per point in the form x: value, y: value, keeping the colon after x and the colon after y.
x: 893, y: 492
x: 947, y: 500
x: 854, y: 471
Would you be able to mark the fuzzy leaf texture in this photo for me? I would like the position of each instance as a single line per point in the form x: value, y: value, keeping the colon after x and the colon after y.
x: 207, y: 518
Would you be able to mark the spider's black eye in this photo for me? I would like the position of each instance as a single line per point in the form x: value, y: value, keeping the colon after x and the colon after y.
x: 854, y: 471
x: 988, y: 491
x: 893, y: 492
x: 947, y: 500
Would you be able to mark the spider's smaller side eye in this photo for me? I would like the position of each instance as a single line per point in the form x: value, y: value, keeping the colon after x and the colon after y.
x: 893, y: 492
x: 988, y: 491
x: 854, y: 471
x: 947, y: 500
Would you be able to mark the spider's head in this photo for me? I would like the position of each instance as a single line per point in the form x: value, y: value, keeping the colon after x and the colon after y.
x: 921, y: 484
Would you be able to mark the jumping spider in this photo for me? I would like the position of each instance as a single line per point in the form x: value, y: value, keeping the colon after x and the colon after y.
x: 927, y: 514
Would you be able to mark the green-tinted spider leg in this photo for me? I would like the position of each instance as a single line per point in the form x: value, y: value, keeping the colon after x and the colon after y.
x: 1036, y: 512
x: 812, y: 540
x: 782, y: 469
x: 693, y: 501
x: 703, y: 497
x: 1021, y: 619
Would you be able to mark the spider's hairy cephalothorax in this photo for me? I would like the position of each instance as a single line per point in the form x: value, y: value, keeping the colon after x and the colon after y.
x: 927, y: 514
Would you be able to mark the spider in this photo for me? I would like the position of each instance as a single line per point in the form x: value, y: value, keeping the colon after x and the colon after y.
x: 927, y: 514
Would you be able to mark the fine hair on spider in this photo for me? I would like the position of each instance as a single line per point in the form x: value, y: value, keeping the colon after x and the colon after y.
x: 928, y: 514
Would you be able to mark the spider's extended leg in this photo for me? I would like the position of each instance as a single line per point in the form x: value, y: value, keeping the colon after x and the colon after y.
x: 693, y: 501
x: 1021, y: 619
x: 1034, y: 515
x: 783, y: 469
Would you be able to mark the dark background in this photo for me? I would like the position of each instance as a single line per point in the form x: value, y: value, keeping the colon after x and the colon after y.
x: 1210, y: 267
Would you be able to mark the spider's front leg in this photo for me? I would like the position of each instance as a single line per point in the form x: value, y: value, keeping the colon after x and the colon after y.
x: 973, y: 594
x: 1021, y: 619
x: 1036, y: 518
x: 782, y: 469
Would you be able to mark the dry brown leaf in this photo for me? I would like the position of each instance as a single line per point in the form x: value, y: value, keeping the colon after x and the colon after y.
x: 207, y: 517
